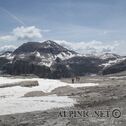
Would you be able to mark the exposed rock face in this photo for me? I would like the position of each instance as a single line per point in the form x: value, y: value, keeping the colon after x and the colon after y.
x: 80, y: 65
x: 60, y: 70
x: 5, y: 57
x: 115, y: 68
x: 45, y: 47
x: 35, y: 94
x: 3, y: 61
x: 24, y: 67
x: 27, y: 48
x: 29, y: 83
x: 64, y: 90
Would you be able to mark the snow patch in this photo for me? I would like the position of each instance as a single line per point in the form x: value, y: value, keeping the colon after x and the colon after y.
x: 21, y: 105
x: 12, y: 100
x: 45, y: 85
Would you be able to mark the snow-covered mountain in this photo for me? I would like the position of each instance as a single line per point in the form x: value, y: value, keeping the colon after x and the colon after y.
x: 109, y: 56
x: 8, y: 55
x: 46, y: 52
x: 51, y: 60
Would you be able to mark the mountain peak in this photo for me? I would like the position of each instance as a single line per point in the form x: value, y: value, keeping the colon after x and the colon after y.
x: 46, y: 47
x: 51, y: 44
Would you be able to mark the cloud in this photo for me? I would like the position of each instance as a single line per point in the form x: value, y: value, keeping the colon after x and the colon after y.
x: 27, y: 33
x: 23, y: 34
x: 7, y: 48
x: 5, y: 38
x: 32, y: 33
x: 89, y: 47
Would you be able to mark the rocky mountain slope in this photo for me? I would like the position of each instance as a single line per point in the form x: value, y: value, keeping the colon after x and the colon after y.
x: 45, y: 52
x: 51, y: 60
x: 118, y: 66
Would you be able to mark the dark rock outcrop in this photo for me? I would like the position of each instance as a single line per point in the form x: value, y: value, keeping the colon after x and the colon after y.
x: 19, y: 67
x: 115, y: 68
x: 80, y: 65
x: 3, y: 61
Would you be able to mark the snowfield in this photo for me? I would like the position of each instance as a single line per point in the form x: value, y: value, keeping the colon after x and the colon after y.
x: 12, y: 105
x: 12, y: 100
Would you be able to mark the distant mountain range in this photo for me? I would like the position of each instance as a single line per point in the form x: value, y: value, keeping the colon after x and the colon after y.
x: 51, y: 60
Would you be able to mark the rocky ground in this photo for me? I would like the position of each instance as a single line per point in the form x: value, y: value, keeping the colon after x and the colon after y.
x: 102, y: 105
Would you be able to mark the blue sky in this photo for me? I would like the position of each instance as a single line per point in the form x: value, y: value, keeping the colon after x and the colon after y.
x: 69, y: 20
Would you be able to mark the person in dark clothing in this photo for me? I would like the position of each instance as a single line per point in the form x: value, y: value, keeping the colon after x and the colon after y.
x: 72, y: 80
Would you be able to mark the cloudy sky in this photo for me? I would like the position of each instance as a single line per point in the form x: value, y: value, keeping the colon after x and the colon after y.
x: 80, y: 24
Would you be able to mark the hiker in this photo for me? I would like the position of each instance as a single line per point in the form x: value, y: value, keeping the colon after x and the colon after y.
x: 72, y: 80
x: 77, y: 78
